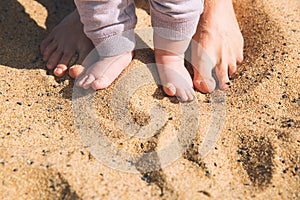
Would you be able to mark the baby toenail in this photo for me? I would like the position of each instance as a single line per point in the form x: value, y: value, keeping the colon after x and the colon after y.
x: 171, y: 87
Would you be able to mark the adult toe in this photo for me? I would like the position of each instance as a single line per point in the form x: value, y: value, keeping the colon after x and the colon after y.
x: 232, y: 68
x: 45, y: 43
x: 206, y: 83
x: 54, y: 58
x: 60, y: 70
x: 222, y: 75
x: 62, y: 66
x: 49, y: 50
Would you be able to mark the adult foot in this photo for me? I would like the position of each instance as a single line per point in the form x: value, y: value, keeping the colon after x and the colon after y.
x: 102, y: 73
x: 175, y: 79
x: 217, y: 45
x: 63, y: 43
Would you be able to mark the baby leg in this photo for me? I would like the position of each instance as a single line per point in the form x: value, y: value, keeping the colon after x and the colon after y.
x: 174, y: 24
x: 109, y: 24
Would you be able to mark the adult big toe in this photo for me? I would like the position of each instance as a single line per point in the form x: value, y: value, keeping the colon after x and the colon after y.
x: 204, y: 85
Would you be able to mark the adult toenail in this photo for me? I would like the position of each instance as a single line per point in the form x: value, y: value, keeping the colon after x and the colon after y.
x: 58, y: 70
x: 210, y: 83
x: 204, y: 83
x: 199, y: 82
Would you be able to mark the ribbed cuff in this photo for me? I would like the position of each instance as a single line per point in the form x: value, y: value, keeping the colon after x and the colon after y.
x: 115, y: 44
x: 176, y: 30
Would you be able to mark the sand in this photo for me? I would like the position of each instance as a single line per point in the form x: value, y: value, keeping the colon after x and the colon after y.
x: 256, y: 156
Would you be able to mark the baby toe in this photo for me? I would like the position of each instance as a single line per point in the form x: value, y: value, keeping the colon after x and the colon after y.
x: 101, y: 83
x: 88, y: 81
x: 170, y: 89
x: 81, y: 80
x: 190, y: 94
x: 182, y: 95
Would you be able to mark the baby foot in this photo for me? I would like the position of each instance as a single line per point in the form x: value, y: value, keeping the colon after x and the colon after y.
x: 65, y: 40
x: 217, y: 45
x: 174, y: 77
x: 102, y: 73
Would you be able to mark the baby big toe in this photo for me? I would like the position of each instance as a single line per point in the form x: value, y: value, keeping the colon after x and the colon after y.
x: 101, y: 83
x: 170, y: 89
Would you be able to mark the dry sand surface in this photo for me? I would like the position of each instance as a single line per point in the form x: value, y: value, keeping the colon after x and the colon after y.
x: 257, y: 155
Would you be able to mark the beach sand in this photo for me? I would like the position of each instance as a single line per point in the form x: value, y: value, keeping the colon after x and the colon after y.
x: 257, y: 155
